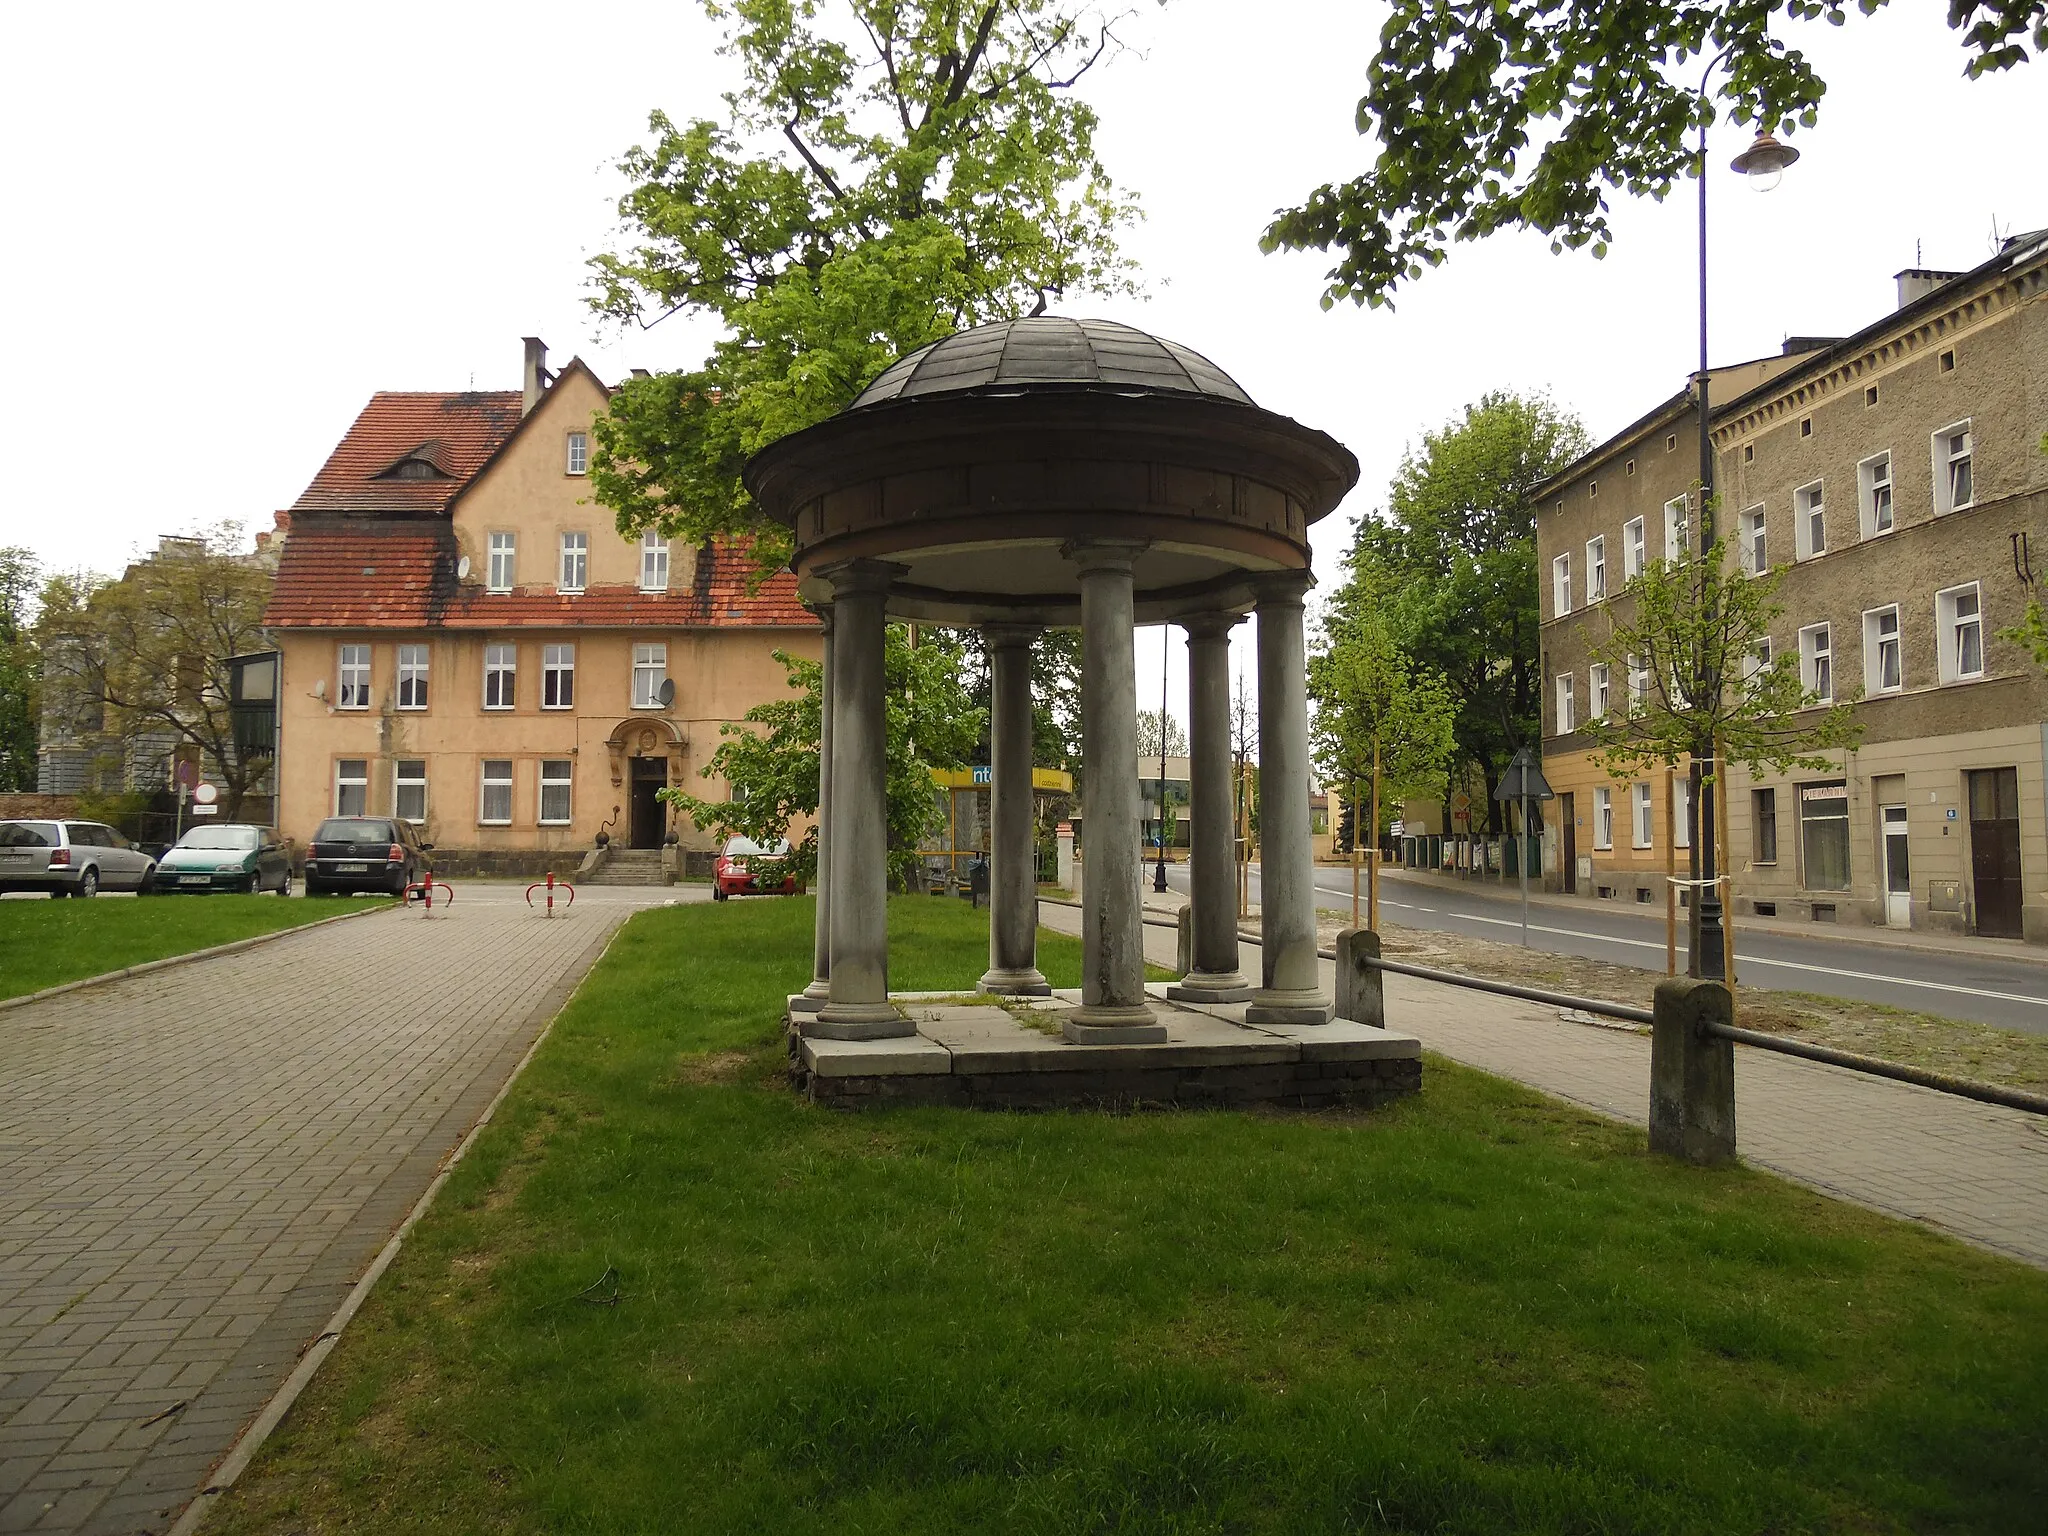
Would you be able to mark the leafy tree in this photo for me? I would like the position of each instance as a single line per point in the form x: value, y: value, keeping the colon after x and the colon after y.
x: 889, y: 172
x: 1151, y: 723
x: 2031, y: 633
x: 1452, y: 563
x: 20, y: 669
x: 1055, y: 696
x: 770, y: 758
x: 1461, y: 92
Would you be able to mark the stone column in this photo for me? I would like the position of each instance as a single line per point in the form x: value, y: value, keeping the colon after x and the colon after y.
x: 1213, y: 976
x: 1013, y: 865
x: 1113, y: 1008
x: 1290, y: 990
x: 858, y: 1006
x: 813, y: 996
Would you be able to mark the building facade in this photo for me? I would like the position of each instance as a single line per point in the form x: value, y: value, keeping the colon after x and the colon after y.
x: 469, y: 643
x: 1899, y: 480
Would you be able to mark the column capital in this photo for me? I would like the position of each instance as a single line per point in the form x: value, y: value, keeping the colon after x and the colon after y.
x: 854, y: 576
x: 1282, y: 588
x: 1103, y: 554
x: 1007, y: 636
x: 822, y: 612
x: 1210, y: 626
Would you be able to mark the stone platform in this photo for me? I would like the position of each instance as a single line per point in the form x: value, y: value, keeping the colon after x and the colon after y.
x: 981, y: 1055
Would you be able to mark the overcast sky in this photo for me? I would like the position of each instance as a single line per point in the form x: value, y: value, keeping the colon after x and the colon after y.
x: 230, y: 224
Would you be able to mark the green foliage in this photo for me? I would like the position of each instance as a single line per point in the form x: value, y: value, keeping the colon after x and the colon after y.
x: 1055, y: 695
x: 1695, y: 627
x: 889, y: 172
x: 1461, y: 94
x: 1452, y: 566
x: 1157, y: 724
x: 2031, y: 633
x: 20, y: 670
x: 770, y: 759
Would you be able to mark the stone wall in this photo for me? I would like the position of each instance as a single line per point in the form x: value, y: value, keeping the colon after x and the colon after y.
x: 30, y: 807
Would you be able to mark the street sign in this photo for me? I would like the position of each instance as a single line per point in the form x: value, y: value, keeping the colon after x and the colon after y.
x: 187, y: 773
x: 1398, y: 829
x: 205, y: 794
x: 1524, y: 779
x: 203, y: 809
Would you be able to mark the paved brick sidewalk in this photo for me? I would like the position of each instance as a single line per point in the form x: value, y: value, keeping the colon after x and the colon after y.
x: 1973, y: 1170
x: 200, y: 1162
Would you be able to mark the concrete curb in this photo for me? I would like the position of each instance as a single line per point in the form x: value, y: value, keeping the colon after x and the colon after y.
x: 143, y: 967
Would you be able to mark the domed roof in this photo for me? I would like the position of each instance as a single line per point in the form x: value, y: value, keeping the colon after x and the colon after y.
x: 1055, y: 351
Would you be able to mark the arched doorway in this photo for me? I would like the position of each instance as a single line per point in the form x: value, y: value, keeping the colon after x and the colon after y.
x: 646, y: 756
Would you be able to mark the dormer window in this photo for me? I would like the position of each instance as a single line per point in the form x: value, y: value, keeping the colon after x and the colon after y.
x: 416, y: 469
x: 429, y: 461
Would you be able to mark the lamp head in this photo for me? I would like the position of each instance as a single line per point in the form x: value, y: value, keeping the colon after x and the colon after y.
x: 1764, y: 162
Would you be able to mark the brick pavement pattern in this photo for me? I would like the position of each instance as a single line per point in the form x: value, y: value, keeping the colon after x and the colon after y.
x: 200, y: 1162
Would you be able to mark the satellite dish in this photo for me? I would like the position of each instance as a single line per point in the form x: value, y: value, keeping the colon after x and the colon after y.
x: 666, y: 692
x: 319, y: 687
x: 462, y: 569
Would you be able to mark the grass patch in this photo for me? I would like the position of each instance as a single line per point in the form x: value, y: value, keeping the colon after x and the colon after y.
x: 47, y: 943
x: 662, y: 1294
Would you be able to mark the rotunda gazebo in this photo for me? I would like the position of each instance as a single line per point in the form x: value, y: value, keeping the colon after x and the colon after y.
x: 1053, y: 471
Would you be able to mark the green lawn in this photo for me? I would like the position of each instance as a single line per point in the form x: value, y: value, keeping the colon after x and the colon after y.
x: 664, y: 1295
x: 44, y: 943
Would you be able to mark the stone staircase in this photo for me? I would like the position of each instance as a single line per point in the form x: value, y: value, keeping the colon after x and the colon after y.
x: 630, y: 866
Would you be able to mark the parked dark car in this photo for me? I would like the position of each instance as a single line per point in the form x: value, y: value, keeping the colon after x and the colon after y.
x: 70, y: 858
x: 744, y: 868
x: 229, y: 856
x: 364, y: 853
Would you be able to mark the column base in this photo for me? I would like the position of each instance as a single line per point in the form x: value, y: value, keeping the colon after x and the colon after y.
x: 1131, y: 1024
x: 1030, y: 982
x: 1210, y: 987
x: 859, y: 1021
x: 812, y: 998
x: 1291, y: 1007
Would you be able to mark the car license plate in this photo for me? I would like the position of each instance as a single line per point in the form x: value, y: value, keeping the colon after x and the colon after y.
x: 195, y: 879
x: 351, y: 869
x: 13, y: 857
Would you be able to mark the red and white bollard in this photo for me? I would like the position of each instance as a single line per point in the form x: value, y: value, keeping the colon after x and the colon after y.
x: 422, y: 891
x: 550, y: 886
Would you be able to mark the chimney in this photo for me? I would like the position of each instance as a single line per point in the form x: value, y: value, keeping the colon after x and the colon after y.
x: 537, y: 376
x: 1918, y: 282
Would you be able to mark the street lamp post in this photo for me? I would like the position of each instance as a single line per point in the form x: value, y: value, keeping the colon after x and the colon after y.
x: 1765, y: 159
x: 1165, y: 653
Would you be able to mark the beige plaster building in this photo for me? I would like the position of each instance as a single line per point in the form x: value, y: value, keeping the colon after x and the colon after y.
x: 469, y: 643
x: 1899, y: 476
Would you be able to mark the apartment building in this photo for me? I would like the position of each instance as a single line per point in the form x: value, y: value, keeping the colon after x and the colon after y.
x: 1898, y: 478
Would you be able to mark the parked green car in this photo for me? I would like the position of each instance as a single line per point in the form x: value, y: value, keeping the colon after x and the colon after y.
x: 227, y: 857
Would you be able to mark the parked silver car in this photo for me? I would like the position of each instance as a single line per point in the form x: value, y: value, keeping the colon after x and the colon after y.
x: 70, y: 858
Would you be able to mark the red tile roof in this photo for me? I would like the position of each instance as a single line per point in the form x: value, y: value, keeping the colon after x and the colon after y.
x: 455, y: 432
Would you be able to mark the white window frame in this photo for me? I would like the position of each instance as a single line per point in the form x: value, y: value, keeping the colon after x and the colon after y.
x: 501, y: 661
x: 1677, y: 527
x: 565, y: 781
x: 1950, y: 626
x: 1681, y: 810
x: 574, y: 572
x: 1561, y: 585
x: 1633, y: 549
x: 1603, y: 817
x: 352, y: 677
x: 1946, y: 460
x: 1638, y: 682
x: 486, y: 783
x: 558, y: 676
x: 401, y: 782
x: 1597, y: 690
x: 576, y: 454
x: 1809, y: 508
x: 653, y: 562
x: 650, y: 666
x: 1758, y: 661
x: 1756, y: 540
x: 1876, y: 645
x: 1566, y: 721
x: 414, y: 665
x: 1877, y: 511
x: 501, y: 570
x: 1817, y: 663
x: 1643, y: 818
x: 344, y: 781
x: 1596, y: 569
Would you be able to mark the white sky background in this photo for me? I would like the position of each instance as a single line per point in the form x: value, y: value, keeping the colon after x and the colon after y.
x: 230, y: 224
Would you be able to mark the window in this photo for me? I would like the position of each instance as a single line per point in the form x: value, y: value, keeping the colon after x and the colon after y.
x: 556, y: 774
x: 412, y: 677
x: 1874, y: 495
x: 353, y: 691
x: 1681, y: 811
x: 494, y: 809
x: 1806, y: 426
x: 1630, y: 467
x: 352, y: 786
x: 1645, y: 826
x: 1870, y: 397
x: 1758, y: 661
x: 1564, y: 704
x: 501, y: 673
x: 575, y: 561
x: 1676, y: 532
x: 1638, y: 683
x: 1603, y: 816
x: 1596, y: 691
x: 1592, y: 489
x: 409, y: 789
x: 1561, y: 586
x: 1632, y: 549
x: 653, y: 562
x: 1756, y: 557
x: 1817, y: 663
x: 1670, y: 442
x: 1763, y: 826
x: 578, y: 462
x: 1824, y: 835
x: 1596, y: 570
x: 1959, y: 637
x: 1749, y: 453
x: 1948, y: 362
x: 650, y: 666
x: 1882, y: 672
x: 1809, y: 523
x: 558, y: 677
x: 504, y: 562
x: 1953, y: 489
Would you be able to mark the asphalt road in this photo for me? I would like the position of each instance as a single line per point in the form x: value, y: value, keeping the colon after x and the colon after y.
x: 1990, y: 989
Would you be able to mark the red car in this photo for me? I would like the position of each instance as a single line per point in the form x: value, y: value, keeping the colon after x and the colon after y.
x: 745, y: 868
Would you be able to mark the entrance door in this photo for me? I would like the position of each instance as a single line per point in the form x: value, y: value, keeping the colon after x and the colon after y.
x: 649, y: 775
x: 1898, y: 876
x: 1995, y: 850
x: 1567, y: 811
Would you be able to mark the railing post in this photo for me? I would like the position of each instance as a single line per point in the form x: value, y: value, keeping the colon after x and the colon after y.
x: 1184, y: 949
x: 1692, y: 1073
x: 1361, y: 985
